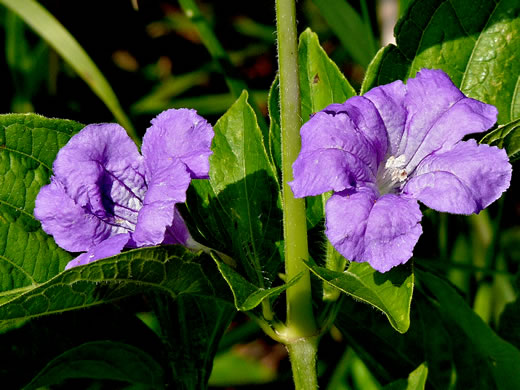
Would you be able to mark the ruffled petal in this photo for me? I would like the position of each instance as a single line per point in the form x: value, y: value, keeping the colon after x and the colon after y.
x: 324, y: 170
x: 73, y: 229
x: 382, y: 231
x: 439, y: 116
x: 463, y: 180
x: 168, y: 181
x: 366, y: 119
x: 102, y: 171
x: 342, y: 146
x: 389, y: 101
x: 110, y: 247
x: 181, y: 134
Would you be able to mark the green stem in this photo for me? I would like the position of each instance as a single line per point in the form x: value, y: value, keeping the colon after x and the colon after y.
x: 302, y: 354
x: 301, y: 331
x: 300, y: 318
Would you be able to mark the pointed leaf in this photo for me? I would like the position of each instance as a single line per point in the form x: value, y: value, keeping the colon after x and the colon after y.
x: 477, y: 44
x: 239, y: 207
x: 247, y: 295
x: 321, y: 81
x: 507, y: 137
x: 416, y: 380
x: 390, y: 292
x: 321, y: 84
x: 102, y: 360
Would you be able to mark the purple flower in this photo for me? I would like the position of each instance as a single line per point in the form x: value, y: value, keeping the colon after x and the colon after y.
x: 382, y: 152
x: 106, y: 196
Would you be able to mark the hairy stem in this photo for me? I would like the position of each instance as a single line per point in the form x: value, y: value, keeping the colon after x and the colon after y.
x: 300, y: 318
x: 301, y: 327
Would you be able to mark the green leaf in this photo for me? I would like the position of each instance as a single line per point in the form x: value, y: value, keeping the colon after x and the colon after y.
x: 391, y: 356
x: 28, y: 146
x: 27, y: 350
x: 507, y: 137
x: 247, y: 295
x: 174, y: 270
x: 390, y: 292
x: 238, y: 209
x: 192, y: 328
x: 476, y: 44
x: 46, y: 25
x: 321, y: 84
x: 321, y: 81
x: 102, y: 360
x: 416, y: 380
x: 355, y: 36
x: 490, y: 352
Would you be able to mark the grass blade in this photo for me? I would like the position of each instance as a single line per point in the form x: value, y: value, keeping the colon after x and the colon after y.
x: 50, y: 29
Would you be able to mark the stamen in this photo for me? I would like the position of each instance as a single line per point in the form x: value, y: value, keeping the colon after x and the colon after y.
x: 392, y: 175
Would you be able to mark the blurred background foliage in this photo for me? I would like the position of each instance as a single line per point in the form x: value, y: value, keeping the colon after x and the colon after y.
x: 160, y: 54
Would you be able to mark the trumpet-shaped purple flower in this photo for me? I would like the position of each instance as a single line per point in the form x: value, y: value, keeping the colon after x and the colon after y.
x: 106, y: 196
x: 382, y: 152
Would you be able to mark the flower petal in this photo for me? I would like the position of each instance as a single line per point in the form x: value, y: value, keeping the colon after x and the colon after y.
x: 389, y: 101
x: 73, y: 229
x: 180, y: 134
x: 177, y: 232
x: 167, y: 185
x: 341, y: 146
x: 101, y: 163
x: 324, y: 170
x: 463, y: 180
x: 382, y: 231
x: 110, y: 247
x: 439, y: 116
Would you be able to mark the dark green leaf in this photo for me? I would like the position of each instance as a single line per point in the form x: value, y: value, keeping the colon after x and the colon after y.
x: 192, y: 328
x: 507, y: 137
x: 391, y: 356
x: 102, y: 360
x: 355, y: 36
x: 416, y: 380
x: 476, y: 43
x: 238, y: 209
x: 489, y: 352
x: 509, y: 325
x: 173, y: 269
x: 390, y: 292
x: 27, y: 350
x: 247, y: 295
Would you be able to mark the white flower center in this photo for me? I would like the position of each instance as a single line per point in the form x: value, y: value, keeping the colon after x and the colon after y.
x: 391, y: 176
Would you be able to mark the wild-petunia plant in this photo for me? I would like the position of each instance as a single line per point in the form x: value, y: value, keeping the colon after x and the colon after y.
x: 362, y: 163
